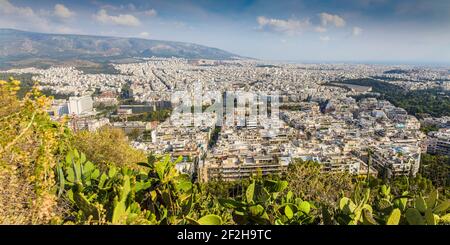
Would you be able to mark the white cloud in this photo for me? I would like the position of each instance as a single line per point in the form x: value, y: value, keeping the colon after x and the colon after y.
x: 144, y: 34
x: 336, y: 20
x: 324, y: 38
x: 294, y: 26
x: 62, y: 11
x: 320, y: 29
x: 121, y: 19
x: 356, y: 31
x: 150, y: 12
x: 22, y: 17
x: 7, y: 8
x: 129, y: 8
x: 289, y: 26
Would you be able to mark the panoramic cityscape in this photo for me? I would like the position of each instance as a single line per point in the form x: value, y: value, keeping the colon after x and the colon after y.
x: 209, y: 112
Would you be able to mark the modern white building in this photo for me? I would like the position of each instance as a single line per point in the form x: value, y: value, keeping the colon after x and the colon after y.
x: 439, y: 142
x: 80, y: 105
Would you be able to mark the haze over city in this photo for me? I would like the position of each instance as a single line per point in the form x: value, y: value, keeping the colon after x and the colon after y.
x: 380, y: 31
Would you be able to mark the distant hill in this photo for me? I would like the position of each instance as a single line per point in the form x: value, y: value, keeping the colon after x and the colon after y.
x: 21, y: 48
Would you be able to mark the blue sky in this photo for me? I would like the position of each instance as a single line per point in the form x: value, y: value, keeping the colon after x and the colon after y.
x: 413, y: 31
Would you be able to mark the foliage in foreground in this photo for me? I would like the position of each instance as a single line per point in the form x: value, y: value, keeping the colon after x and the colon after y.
x: 44, y: 179
x: 160, y: 195
x: 325, y: 188
x: 30, y: 146
x: 107, y: 146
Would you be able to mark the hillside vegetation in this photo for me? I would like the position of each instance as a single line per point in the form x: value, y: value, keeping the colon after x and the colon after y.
x: 49, y: 175
x: 22, y: 48
x: 434, y: 102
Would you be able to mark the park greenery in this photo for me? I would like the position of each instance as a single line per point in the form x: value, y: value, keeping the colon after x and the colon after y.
x: 159, y: 115
x: 433, y: 102
x: 436, y: 168
x: 428, y: 128
x: 51, y: 175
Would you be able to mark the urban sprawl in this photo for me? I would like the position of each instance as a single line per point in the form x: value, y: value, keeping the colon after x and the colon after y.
x: 319, y: 118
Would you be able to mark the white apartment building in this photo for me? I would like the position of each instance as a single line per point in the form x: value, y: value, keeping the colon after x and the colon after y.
x: 439, y: 143
x: 80, y: 105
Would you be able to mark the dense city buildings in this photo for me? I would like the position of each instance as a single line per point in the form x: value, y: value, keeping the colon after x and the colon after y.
x: 439, y: 142
x: 321, y: 117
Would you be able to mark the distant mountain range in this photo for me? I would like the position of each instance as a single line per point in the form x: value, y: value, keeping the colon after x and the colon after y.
x: 19, y: 48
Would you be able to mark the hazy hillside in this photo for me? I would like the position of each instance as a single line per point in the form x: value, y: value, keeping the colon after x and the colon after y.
x: 21, y: 48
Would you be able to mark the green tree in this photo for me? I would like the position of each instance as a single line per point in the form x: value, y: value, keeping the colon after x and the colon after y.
x: 108, y: 145
x: 308, y: 181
